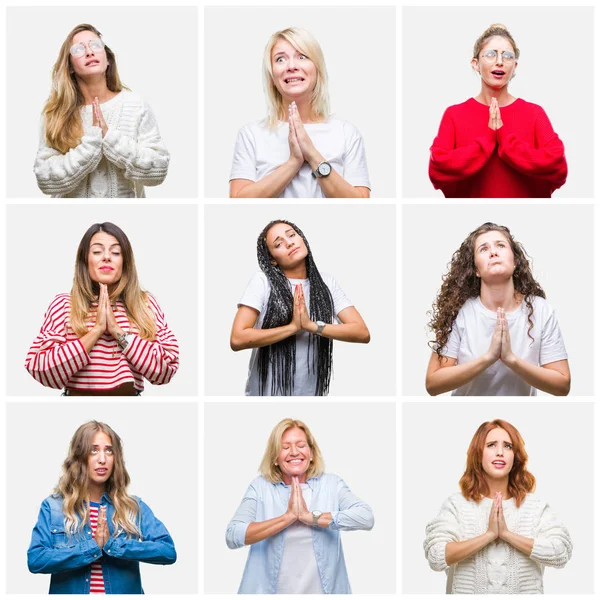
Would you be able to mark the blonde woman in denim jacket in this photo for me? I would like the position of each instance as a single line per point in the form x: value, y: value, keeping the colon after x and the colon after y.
x: 291, y: 517
x: 91, y: 534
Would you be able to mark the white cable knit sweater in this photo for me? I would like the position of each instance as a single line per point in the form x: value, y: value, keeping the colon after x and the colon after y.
x: 498, y: 568
x: 130, y: 156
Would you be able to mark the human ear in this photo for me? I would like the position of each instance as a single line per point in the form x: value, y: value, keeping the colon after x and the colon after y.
x: 475, y: 65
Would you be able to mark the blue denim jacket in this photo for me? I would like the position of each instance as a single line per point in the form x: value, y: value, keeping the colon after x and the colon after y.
x: 264, y: 500
x: 69, y: 558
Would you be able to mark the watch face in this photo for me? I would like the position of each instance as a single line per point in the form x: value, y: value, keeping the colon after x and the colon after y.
x: 324, y: 169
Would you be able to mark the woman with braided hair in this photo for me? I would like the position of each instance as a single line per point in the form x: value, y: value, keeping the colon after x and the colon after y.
x: 495, y: 332
x: 289, y: 315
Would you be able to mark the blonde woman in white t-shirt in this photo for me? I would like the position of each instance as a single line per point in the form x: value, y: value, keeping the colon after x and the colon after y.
x: 289, y: 315
x: 299, y: 150
x: 495, y: 333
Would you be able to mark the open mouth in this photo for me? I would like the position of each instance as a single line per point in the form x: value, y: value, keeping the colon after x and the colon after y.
x: 295, y: 461
x: 101, y: 471
x: 498, y: 73
x: 294, y: 80
x: 499, y: 464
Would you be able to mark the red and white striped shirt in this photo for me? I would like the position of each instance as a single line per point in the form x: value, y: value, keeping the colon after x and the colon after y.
x: 57, y: 358
x: 96, y: 577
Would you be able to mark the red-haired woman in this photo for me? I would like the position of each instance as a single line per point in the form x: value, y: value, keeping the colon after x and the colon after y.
x: 496, y: 536
x: 495, y: 332
x: 496, y: 145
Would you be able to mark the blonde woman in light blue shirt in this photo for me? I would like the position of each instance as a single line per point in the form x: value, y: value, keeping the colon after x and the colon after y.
x: 291, y: 517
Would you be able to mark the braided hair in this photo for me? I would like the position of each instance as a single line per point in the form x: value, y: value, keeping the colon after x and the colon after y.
x: 281, y: 356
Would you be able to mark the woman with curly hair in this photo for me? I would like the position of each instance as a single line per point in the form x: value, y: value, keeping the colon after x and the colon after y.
x: 98, y: 139
x: 91, y: 534
x: 289, y: 315
x: 495, y: 333
x: 496, y: 536
x: 495, y: 145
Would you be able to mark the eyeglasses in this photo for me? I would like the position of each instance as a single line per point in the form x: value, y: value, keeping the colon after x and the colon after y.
x: 78, y: 50
x: 491, y: 56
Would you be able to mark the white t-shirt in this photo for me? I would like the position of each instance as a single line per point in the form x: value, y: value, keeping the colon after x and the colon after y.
x: 257, y: 296
x: 259, y: 151
x: 471, y: 336
x: 298, y: 572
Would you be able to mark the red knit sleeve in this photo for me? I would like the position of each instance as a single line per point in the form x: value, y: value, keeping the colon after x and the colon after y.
x: 448, y: 164
x: 546, y: 160
x: 52, y: 360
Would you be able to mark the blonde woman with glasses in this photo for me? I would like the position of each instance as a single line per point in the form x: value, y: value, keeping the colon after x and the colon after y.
x: 299, y: 150
x: 496, y: 145
x: 98, y: 139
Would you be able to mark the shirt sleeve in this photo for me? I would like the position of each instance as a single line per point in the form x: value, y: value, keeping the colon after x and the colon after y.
x: 52, y: 360
x: 448, y: 164
x: 59, y: 174
x: 157, y: 360
x: 439, y: 532
x: 244, y: 515
x: 53, y: 551
x: 256, y: 293
x: 353, y: 513
x: 244, y: 156
x: 144, y: 159
x: 452, y: 346
x: 155, y: 546
x: 552, y: 346
x: 545, y: 160
x: 356, y: 172
x: 340, y: 300
x: 552, y: 544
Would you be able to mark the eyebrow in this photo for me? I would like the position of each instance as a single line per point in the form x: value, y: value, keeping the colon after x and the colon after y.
x: 102, y: 245
x: 279, y: 237
x: 107, y: 446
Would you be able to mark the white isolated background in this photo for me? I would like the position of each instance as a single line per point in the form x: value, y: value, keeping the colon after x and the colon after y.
x: 555, y: 71
x: 356, y: 244
x: 156, y: 50
x: 559, y: 441
x: 562, y: 262
x: 360, y: 54
x: 41, y: 246
x: 358, y: 442
x: 156, y: 440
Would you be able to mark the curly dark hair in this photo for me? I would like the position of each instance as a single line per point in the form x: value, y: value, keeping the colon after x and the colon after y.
x: 461, y: 283
x: 281, y: 356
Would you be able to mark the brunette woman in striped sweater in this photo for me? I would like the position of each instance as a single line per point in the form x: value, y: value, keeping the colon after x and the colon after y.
x: 108, y: 334
x: 91, y: 533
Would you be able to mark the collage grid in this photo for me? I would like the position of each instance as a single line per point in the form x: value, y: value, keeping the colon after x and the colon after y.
x: 388, y: 429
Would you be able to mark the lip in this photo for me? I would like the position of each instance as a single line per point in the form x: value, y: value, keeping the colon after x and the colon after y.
x: 498, y: 73
x: 295, y: 461
x: 108, y: 269
x: 293, y: 80
x: 293, y: 251
x: 499, y: 464
x: 101, y: 471
x: 92, y: 62
x: 496, y: 261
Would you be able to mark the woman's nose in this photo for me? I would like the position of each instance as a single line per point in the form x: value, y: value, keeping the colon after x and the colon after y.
x: 101, y: 458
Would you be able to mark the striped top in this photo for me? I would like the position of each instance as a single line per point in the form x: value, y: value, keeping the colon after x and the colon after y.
x: 57, y: 358
x: 96, y: 577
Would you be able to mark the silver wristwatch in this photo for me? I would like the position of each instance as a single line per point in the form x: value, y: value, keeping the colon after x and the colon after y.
x: 124, y: 339
x: 320, y: 326
x: 323, y: 169
x: 316, y: 514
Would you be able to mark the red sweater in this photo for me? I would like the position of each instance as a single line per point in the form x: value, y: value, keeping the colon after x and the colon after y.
x: 523, y: 159
x: 58, y: 359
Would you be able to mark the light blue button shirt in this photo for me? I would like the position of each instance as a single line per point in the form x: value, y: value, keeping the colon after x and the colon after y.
x: 264, y: 500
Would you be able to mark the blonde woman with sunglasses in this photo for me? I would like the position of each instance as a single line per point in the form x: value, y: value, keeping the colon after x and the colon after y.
x: 98, y: 139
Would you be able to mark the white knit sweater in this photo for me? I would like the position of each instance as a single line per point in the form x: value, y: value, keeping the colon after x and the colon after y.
x: 130, y: 156
x: 498, y: 568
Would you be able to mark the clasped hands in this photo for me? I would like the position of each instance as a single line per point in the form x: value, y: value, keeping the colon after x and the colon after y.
x: 98, y: 118
x: 500, y: 347
x: 297, y: 509
x: 301, y: 147
x: 102, y: 534
x: 300, y: 317
x: 495, y: 121
x: 497, y: 523
x: 105, y: 317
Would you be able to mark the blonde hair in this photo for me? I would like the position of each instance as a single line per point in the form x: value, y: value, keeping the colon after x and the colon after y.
x: 85, y: 291
x: 62, y: 120
x: 494, y: 30
x: 272, y: 472
x: 73, y: 484
x: 305, y: 43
